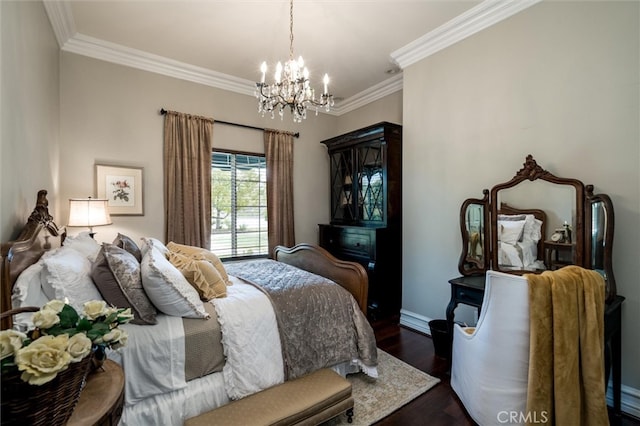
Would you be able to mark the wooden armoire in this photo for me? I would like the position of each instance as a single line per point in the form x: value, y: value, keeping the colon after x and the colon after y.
x: 366, y: 210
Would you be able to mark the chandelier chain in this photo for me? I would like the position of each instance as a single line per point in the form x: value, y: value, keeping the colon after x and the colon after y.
x: 291, y: 30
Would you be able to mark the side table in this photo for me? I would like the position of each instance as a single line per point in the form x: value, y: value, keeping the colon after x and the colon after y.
x: 468, y: 290
x: 557, y: 255
x: 102, y: 398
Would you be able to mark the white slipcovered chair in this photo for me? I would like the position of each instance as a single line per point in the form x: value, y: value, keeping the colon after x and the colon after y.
x: 490, y: 362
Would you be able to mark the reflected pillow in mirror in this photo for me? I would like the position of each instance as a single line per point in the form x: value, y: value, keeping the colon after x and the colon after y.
x: 532, y: 229
x: 510, y: 232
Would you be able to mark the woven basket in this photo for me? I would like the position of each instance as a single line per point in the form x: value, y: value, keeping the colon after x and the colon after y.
x: 48, y: 404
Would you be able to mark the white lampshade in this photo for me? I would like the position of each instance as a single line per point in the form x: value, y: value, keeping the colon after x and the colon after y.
x: 88, y: 212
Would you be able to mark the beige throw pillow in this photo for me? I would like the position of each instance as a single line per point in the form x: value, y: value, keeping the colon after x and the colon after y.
x: 199, y: 253
x: 201, y: 274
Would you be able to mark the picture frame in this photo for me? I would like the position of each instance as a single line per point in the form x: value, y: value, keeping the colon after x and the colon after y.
x: 122, y: 186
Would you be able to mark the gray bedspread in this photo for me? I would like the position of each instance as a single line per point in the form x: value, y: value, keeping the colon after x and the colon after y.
x: 320, y: 323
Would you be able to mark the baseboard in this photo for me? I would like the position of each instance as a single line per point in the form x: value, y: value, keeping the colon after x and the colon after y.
x: 629, y: 399
x: 415, y: 321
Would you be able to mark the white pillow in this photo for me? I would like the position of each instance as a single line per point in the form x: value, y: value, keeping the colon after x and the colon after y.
x: 67, y: 274
x: 149, y: 242
x: 84, y: 244
x: 510, y: 232
x: 27, y: 290
x: 167, y: 288
x: 532, y: 229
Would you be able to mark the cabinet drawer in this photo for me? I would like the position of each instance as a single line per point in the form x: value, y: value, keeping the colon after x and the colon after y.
x: 352, y: 242
x: 469, y: 296
x: 356, y: 244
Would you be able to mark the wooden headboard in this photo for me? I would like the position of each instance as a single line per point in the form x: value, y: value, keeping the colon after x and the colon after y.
x: 350, y: 275
x: 39, y: 235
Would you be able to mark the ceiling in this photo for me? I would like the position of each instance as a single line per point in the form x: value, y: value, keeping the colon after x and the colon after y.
x: 223, y: 42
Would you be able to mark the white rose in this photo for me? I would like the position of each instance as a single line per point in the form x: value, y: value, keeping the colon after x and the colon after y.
x: 95, y: 309
x: 79, y: 346
x: 122, y: 341
x: 115, y: 335
x: 125, y: 316
x: 41, y: 361
x: 45, y: 318
x: 110, y: 310
x: 10, y: 342
x: 54, y: 305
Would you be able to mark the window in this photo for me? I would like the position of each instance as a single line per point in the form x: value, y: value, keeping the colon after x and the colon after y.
x: 238, y: 204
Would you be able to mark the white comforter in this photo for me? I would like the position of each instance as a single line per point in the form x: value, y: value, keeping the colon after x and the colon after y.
x: 250, y: 339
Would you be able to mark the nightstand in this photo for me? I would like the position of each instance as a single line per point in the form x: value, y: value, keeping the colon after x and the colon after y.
x: 557, y: 255
x: 102, y: 398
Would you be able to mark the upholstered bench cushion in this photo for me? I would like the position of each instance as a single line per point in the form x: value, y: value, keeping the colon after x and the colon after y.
x: 310, y: 399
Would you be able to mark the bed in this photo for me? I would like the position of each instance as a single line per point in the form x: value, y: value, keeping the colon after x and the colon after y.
x: 279, y: 318
x: 520, y: 238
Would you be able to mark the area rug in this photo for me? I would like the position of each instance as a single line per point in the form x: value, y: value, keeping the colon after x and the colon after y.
x: 398, y: 384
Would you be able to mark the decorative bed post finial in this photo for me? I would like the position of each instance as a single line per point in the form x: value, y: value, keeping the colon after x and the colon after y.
x: 40, y: 214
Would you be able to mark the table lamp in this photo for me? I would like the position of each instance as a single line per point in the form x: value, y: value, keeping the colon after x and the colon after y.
x: 88, y: 212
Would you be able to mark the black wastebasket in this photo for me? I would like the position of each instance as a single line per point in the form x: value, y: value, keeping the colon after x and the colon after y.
x: 440, y: 337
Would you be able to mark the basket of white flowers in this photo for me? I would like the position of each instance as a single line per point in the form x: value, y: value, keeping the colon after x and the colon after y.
x: 45, y: 369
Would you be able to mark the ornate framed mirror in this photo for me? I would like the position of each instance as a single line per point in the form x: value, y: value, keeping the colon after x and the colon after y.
x: 562, y: 202
x: 600, y: 220
x: 537, y: 221
x: 474, y: 215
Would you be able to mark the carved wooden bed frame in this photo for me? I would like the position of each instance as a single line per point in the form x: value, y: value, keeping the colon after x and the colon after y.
x: 41, y: 234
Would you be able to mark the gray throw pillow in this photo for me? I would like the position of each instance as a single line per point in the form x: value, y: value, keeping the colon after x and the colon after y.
x: 129, y: 245
x: 116, y: 274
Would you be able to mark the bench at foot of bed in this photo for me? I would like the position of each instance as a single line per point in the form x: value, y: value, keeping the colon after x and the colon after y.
x: 307, y: 400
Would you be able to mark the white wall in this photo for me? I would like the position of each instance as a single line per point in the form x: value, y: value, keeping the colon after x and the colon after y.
x: 560, y: 81
x: 29, y: 113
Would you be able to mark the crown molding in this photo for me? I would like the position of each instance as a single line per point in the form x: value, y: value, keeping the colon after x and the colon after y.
x: 99, y: 49
x: 379, y: 91
x: 61, y: 18
x: 122, y: 55
x: 476, y: 19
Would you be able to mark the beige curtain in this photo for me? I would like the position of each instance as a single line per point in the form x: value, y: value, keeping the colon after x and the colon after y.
x: 187, y: 171
x: 278, y: 148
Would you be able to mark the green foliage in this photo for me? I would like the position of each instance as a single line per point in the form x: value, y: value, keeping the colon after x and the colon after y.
x: 68, y: 317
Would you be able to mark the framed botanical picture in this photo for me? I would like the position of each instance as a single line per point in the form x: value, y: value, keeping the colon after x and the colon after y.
x: 122, y: 186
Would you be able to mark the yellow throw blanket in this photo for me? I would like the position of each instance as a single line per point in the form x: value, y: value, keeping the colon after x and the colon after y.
x: 566, y: 358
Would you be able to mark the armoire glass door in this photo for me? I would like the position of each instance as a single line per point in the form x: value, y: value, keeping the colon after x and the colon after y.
x: 371, y: 182
x: 342, y: 187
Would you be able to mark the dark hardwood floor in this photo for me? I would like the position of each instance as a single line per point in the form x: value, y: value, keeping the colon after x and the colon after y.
x: 439, y: 406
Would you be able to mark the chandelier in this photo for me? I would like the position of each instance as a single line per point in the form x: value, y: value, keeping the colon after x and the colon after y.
x: 291, y: 87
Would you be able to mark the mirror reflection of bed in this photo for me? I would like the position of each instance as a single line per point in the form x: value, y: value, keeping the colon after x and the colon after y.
x: 521, y: 239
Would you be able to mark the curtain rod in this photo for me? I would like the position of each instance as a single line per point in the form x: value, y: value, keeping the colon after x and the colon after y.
x: 295, y: 135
